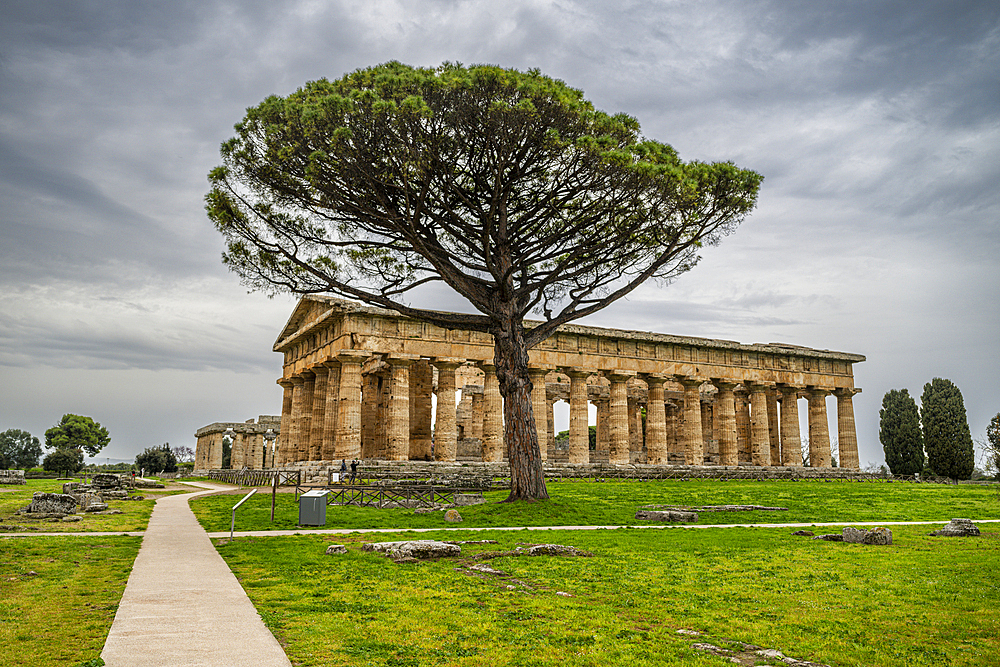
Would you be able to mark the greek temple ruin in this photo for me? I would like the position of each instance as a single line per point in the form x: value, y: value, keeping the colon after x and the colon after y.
x: 358, y: 383
x: 252, y: 443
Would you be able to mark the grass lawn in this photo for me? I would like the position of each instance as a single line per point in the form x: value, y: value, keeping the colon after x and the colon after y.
x: 921, y: 601
x: 134, y: 516
x: 615, y: 503
x: 58, y: 596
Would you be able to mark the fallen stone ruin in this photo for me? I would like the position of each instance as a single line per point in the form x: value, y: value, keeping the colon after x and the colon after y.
x: 689, y: 514
x: 958, y: 528
x: 12, y: 477
x: 881, y: 536
x: 747, y: 655
x: 79, y: 497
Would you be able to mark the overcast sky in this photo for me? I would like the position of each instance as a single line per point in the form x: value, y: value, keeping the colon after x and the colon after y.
x: 875, y: 124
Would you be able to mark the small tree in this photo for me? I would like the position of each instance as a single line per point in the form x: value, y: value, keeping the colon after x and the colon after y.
x: 946, y: 430
x: 183, y: 453
x: 63, y: 460
x: 899, y: 433
x: 992, y: 446
x: 19, y: 449
x: 507, y: 186
x: 157, y: 459
x: 77, y: 432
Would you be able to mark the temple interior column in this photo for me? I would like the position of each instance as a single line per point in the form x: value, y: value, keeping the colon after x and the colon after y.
x: 550, y: 429
x: 656, y: 421
x: 847, y: 435
x: 399, y: 408
x: 285, y: 430
x: 446, y: 425
x: 819, y: 428
x: 348, y: 440
x: 791, y: 438
x: 579, y: 429
x: 421, y: 388
x: 539, y: 407
x: 725, y: 404
x: 691, y: 428
x: 382, y: 408
x: 331, y: 413
x: 371, y: 395
x: 493, y: 441
x: 634, y: 428
x: 478, y: 414
x: 671, y: 411
x: 743, y: 424
x: 618, y: 418
x: 603, y: 428
x: 707, y: 429
x: 318, y: 424
x: 773, y: 424
x: 760, y: 431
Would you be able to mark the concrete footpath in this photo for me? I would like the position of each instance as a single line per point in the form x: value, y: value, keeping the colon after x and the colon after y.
x: 182, y: 605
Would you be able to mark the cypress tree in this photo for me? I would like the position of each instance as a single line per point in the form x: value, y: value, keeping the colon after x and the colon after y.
x: 947, y: 438
x: 899, y: 433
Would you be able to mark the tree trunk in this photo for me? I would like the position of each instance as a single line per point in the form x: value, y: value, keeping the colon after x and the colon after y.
x: 527, y: 480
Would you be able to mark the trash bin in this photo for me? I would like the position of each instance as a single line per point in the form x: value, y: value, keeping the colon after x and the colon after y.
x: 312, y: 508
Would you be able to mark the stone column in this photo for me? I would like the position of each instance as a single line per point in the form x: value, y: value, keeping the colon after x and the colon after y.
x: 331, y: 413
x: 237, y: 454
x: 298, y: 409
x: 847, y: 436
x: 618, y: 426
x: 760, y: 432
x: 791, y: 439
x: 550, y: 429
x: 692, y: 440
x: 539, y: 407
x: 445, y: 427
x: 285, y: 430
x: 603, y: 426
x: 772, y: 423
x: 371, y: 394
x: 579, y: 430
x: 305, y: 418
x: 399, y: 408
x: 656, y: 421
x: 318, y: 426
x: 819, y: 428
x: 478, y: 414
x: 635, y: 434
x: 707, y: 428
x: 215, y: 452
x: 743, y: 424
x: 421, y: 387
x: 493, y: 444
x: 348, y: 440
x: 725, y: 404
x: 671, y: 410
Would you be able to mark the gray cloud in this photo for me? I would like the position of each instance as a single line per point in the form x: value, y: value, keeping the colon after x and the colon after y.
x: 876, y: 125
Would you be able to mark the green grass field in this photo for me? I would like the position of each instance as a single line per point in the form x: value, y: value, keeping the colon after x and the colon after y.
x: 615, y: 503
x: 921, y: 601
x: 59, y: 595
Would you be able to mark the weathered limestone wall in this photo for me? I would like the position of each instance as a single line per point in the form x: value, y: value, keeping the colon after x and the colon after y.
x: 705, y: 402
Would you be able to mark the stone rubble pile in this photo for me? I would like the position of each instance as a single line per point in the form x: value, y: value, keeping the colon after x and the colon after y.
x: 80, y: 497
x: 958, y: 528
x: 741, y: 653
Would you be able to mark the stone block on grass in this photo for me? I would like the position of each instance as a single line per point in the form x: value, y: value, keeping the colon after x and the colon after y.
x: 958, y: 528
x: 881, y: 536
x: 666, y: 516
